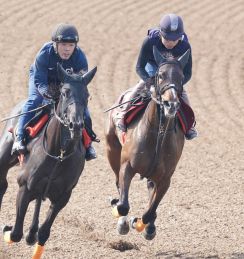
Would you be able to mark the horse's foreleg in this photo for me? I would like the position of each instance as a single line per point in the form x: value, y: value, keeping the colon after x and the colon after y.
x: 157, y: 191
x: 31, y: 237
x: 125, y: 177
x: 44, y: 230
x: 121, y: 208
x: 156, y: 196
x: 151, y: 189
x: 22, y: 202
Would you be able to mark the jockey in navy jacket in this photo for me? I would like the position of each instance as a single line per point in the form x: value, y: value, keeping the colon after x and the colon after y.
x: 146, y: 58
x: 44, y: 69
x: 43, y: 73
x: 171, y: 40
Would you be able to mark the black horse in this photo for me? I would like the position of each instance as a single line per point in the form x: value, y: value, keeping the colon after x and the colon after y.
x: 54, y: 163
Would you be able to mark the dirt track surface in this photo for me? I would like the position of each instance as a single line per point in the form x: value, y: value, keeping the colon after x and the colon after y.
x: 202, y: 214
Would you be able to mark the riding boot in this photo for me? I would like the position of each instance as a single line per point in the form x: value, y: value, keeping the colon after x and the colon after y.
x: 19, y: 146
x: 192, y: 132
x: 120, y: 123
x: 90, y: 151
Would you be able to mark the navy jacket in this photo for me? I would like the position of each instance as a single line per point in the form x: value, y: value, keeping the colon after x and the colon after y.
x: 44, y: 67
x: 146, y: 54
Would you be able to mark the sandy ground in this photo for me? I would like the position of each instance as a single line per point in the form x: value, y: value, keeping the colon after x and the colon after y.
x: 202, y: 214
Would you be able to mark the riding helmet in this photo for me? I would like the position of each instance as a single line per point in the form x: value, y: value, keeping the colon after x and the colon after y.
x: 171, y: 27
x: 65, y: 33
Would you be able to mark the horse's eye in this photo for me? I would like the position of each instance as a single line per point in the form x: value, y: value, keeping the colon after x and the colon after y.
x: 161, y: 76
x: 66, y: 93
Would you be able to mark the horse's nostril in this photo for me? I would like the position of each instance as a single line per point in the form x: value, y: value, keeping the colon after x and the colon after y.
x: 76, y: 125
x: 71, y: 125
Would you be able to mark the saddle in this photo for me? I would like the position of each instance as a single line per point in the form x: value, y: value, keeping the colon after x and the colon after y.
x: 185, y: 113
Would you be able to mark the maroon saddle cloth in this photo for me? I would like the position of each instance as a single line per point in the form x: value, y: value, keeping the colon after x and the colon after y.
x: 185, y: 113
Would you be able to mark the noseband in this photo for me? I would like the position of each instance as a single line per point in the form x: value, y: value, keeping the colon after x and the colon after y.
x: 63, y: 119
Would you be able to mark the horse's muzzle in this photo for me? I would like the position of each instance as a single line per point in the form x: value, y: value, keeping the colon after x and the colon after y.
x: 75, y: 129
x: 170, y: 108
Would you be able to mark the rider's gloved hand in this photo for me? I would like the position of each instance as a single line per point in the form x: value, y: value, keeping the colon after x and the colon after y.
x: 150, y: 81
x: 48, y: 99
x: 145, y: 93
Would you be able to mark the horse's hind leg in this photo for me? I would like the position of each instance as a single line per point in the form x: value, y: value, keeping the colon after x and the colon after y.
x: 6, y: 161
x: 22, y: 202
x: 113, y: 149
x: 31, y: 237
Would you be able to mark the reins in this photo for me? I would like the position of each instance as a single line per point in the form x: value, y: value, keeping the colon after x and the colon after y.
x: 162, y: 128
x: 59, y: 158
x: 20, y: 114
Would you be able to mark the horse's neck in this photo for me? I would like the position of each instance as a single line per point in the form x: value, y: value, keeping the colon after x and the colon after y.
x: 151, y: 120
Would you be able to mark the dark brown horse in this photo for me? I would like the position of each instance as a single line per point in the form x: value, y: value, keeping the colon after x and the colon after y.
x: 153, y: 146
x: 54, y: 163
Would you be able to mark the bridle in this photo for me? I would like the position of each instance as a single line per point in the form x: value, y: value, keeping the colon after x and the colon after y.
x: 64, y: 121
x: 163, y: 129
x: 161, y: 90
x: 161, y: 104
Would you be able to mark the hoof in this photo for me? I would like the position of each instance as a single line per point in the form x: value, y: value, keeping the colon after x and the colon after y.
x: 31, y: 239
x: 115, y: 212
x: 123, y: 226
x: 150, y: 232
x: 137, y: 224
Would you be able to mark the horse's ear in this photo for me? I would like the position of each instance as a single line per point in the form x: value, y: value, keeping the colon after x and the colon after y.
x: 87, y: 77
x: 62, y: 74
x: 184, y: 58
x: 158, y: 56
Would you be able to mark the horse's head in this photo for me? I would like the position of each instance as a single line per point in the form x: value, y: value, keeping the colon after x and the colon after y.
x: 73, y: 99
x: 169, y: 80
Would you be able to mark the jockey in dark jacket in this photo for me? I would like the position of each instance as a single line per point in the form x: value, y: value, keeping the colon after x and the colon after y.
x: 170, y: 39
x: 43, y: 73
